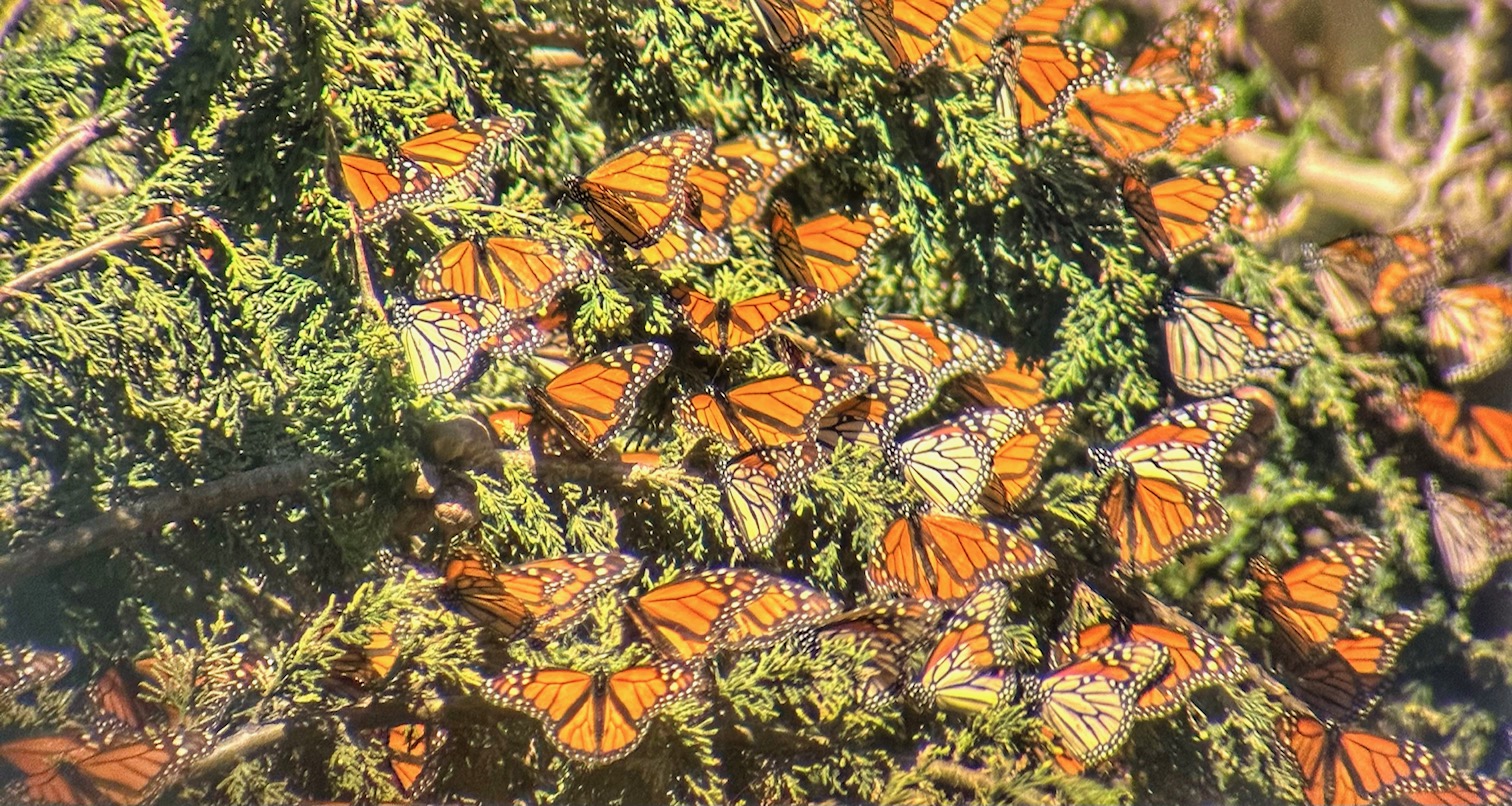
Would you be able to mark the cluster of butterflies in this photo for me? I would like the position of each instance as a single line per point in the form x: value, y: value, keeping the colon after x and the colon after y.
x: 123, y: 749
x: 941, y: 574
x: 1368, y: 278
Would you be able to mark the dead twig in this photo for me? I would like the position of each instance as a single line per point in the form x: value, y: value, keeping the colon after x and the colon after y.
x: 140, y: 520
x: 80, y: 137
x: 32, y: 278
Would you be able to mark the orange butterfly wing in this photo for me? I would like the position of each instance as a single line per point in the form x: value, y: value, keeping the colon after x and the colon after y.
x: 1132, y: 120
x: 1352, y: 768
x: 1308, y: 602
x: 592, y: 400
x: 558, y: 590
x: 911, y: 33
x: 1012, y: 383
x: 1040, y: 75
x: 1017, y: 463
x: 1478, y: 438
x: 472, y: 586
x: 829, y: 253
x: 590, y: 718
x: 726, y: 325
x: 774, y: 157
x: 519, y: 274
x: 946, y: 557
x: 637, y: 193
x: 454, y: 148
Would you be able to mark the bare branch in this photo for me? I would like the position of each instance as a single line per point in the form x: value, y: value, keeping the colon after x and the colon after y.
x: 12, y: 15
x: 32, y: 278
x: 76, y: 140
x: 129, y: 522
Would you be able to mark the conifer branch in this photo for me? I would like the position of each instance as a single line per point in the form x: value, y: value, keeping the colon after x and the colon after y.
x: 138, y: 520
x: 80, y: 137
x: 32, y: 278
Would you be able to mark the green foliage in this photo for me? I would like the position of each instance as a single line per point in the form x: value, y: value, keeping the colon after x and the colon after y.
x: 145, y: 372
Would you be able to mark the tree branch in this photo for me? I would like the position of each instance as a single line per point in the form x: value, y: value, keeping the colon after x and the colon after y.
x: 128, y: 522
x: 12, y: 15
x: 76, y: 140
x: 1370, y: 191
x: 32, y: 278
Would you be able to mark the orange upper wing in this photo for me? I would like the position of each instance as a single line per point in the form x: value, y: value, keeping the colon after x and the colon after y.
x: 519, y: 274
x: 594, y: 719
x: 592, y: 400
x: 1475, y: 437
x: 1131, y: 120
x: 829, y: 253
x: 1309, y: 601
x: 637, y: 193
x: 946, y: 557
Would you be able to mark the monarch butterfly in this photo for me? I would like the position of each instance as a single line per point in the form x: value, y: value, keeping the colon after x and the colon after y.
x: 1212, y: 343
x: 829, y: 253
x: 74, y: 770
x: 366, y: 665
x: 411, y: 748
x: 891, y: 631
x: 1199, y: 137
x: 23, y: 669
x: 773, y: 411
x: 1039, y: 75
x: 594, y: 718
x: 684, y: 242
x: 1470, y: 329
x: 940, y: 350
x: 972, y: 39
x: 1088, y: 706
x: 1181, y: 215
x: 947, y: 557
x: 756, y: 486
x: 443, y: 339
x: 738, y: 608
x: 964, y: 672
x: 1461, y: 790
x: 781, y: 23
x: 1308, y: 601
x: 949, y: 463
x: 722, y: 181
x: 1013, y: 382
x: 1016, y: 464
x: 1165, y: 481
x: 451, y: 147
x: 726, y: 325
x: 1349, y: 677
x: 1369, y: 274
x: 894, y: 393
x: 1198, y: 660
x: 517, y: 274
x: 1131, y: 119
x: 113, y: 696
x: 774, y: 157
x: 1181, y: 52
x: 554, y: 593
x: 592, y: 400
x: 1346, y: 768
x: 1473, y: 535
x: 1478, y: 438
x: 450, y: 155
x: 637, y: 193
x: 911, y: 33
